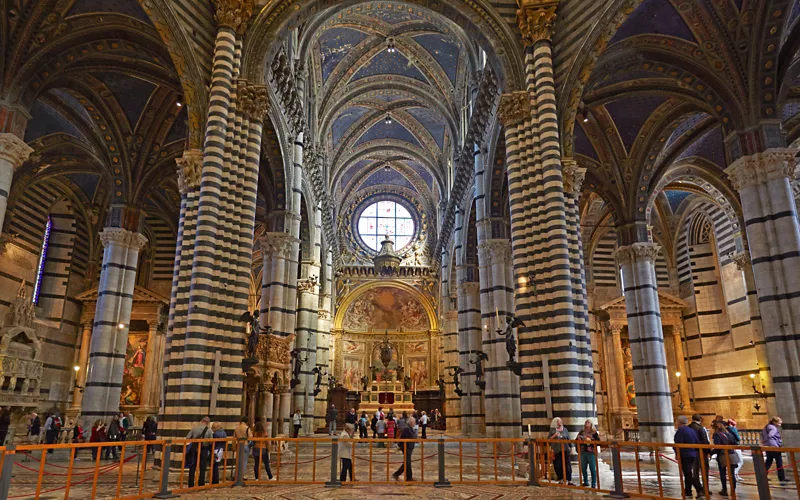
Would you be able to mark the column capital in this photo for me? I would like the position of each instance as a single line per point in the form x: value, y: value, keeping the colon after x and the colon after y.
x: 741, y: 259
x: 469, y: 288
x: 190, y: 169
x: 278, y: 244
x: 536, y: 20
x: 14, y: 150
x: 637, y: 252
x: 233, y: 13
x: 763, y: 167
x: 253, y: 99
x: 573, y: 176
x: 496, y: 248
x: 514, y: 108
x: 122, y: 237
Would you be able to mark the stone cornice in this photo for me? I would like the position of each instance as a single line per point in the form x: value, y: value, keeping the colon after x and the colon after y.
x: 637, y: 252
x: 233, y: 13
x: 122, y: 237
x: 536, y: 20
x: 760, y: 168
x: 190, y: 169
x: 514, y: 108
x: 14, y: 150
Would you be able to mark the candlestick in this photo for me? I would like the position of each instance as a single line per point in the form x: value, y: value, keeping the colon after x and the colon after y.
x: 497, y: 318
x: 529, y: 430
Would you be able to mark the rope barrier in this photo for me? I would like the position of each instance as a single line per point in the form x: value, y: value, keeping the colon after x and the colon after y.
x: 788, y: 466
x: 106, y: 467
x: 390, y: 462
x: 303, y: 462
x: 61, y: 466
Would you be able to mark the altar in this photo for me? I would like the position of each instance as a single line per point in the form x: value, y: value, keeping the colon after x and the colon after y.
x: 386, y: 395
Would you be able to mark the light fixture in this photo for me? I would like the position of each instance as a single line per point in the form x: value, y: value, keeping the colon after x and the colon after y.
x: 76, y: 368
x: 179, y: 101
x: 388, y: 120
x: 585, y: 118
x: 752, y: 375
x: 678, y: 374
x: 121, y: 326
x: 390, y: 48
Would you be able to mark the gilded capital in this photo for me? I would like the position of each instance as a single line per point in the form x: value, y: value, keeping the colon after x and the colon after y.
x: 122, y: 237
x: 536, y: 20
x: 14, y: 150
x: 637, y: 252
x: 514, y: 108
x: 573, y: 176
x: 233, y: 13
x: 254, y: 100
x: 761, y: 168
x: 190, y: 168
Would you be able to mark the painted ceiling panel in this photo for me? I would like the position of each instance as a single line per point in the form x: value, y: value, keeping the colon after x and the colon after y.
x: 443, y: 50
x: 386, y: 63
x: 127, y: 7
x: 394, y: 16
x: 73, y: 103
x: 422, y: 171
x: 347, y: 118
x: 392, y: 131
x: 334, y: 45
x: 789, y: 110
x: 657, y: 17
x: 792, y: 16
x: 352, y: 171
x: 582, y: 144
x: 387, y: 176
x: 432, y: 121
x: 45, y: 120
x: 687, y: 124
x: 624, y: 76
x: 675, y: 198
x: 87, y: 182
x: 179, y: 127
x: 131, y: 93
x: 630, y: 114
x: 710, y: 147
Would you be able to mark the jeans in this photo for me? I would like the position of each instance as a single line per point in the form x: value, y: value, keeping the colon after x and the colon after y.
x: 50, y: 438
x: 689, y: 477
x: 723, y: 473
x: 203, y: 456
x: 215, y: 472
x: 362, y: 431
x: 406, y: 466
x: 296, y: 430
x: 588, y: 464
x: 332, y: 427
x: 776, y: 456
x: 424, y: 434
x: 258, y: 458
x: 697, y: 467
x: 347, y: 466
x: 381, y: 436
x: 562, y: 462
x: 109, y: 451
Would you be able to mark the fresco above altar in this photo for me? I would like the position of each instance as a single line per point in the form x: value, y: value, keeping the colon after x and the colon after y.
x: 386, y: 308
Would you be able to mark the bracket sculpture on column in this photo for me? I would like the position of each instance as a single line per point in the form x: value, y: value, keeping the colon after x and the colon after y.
x: 511, y: 343
x: 480, y: 358
x: 457, y: 381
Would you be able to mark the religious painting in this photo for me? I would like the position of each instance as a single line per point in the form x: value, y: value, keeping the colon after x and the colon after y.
x: 630, y: 388
x: 386, y: 308
x: 350, y: 347
x: 417, y: 347
x: 133, y: 373
x: 385, y: 374
x: 418, y: 371
x: 352, y: 371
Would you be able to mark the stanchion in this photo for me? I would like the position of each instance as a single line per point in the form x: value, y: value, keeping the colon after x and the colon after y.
x: 241, y: 463
x: 164, y: 491
x: 616, y: 464
x: 760, y: 469
x: 533, y: 480
x: 8, y: 469
x: 334, y: 482
x: 442, y: 482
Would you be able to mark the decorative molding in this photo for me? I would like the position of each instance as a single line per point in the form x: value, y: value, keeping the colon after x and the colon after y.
x: 190, y: 170
x: 760, y: 168
x: 514, y: 108
x: 253, y: 100
x: 637, y: 252
x: 122, y: 237
x: 536, y: 20
x: 573, y: 177
x: 499, y: 249
x: 233, y: 14
x: 14, y: 150
x: 278, y: 245
x: 469, y: 288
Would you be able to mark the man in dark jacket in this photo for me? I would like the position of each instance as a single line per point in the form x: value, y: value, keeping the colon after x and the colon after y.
x: 113, y: 435
x: 331, y: 418
x: 408, y: 447
x: 351, y: 417
x: 687, y: 435
x: 704, y: 455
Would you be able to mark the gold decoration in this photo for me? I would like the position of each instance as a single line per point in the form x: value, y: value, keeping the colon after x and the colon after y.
x: 514, y: 108
x: 536, y: 20
x: 274, y: 350
x: 233, y: 13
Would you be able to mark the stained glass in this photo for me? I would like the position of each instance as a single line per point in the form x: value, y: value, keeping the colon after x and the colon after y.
x: 386, y: 218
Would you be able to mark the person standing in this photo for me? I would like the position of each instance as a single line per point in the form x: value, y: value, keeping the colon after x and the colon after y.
x: 391, y: 428
x: 703, y: 457
x: 345, y: 451
x: 408, y: 448
x: 77, y: 436
x: 423, y: 421
x: 737, y: 439
x: 380, y: 428
x: 722, y: 437
x: 297, y: 423
x: 261, y: 450
x: 561, y: 451
x: 402, y: 422
x: 34, y: 429
x: 589, y: 452
x: 5, y: 423
x: 113, y: 435
x: 362, y: 425
x: 689, y: 456
x: 434, y: 419
x: 331, y: 418
x: 199, y: 452
x: 52, y: 427
x: 219, y: 450
x: 771, y: 437
x: 98, y: 435
x: 149, y: 430
x: 351, y: 417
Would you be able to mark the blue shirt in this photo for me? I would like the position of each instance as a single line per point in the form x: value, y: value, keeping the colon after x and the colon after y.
x: 686, y: 435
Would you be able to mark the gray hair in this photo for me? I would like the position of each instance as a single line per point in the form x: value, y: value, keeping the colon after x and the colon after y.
x: 411, y: 421
x: 683, y: 420
x: 349, y: 427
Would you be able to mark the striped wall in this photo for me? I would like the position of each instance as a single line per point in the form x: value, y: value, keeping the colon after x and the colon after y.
x: 604, y: 271
x: 164, y: 241
x: 724, y: 234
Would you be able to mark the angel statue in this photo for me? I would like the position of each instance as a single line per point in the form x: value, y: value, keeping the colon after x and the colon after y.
x: 511, y: 343
x: 255, y: 329
x: 441, y: 383
x: 456, y: 380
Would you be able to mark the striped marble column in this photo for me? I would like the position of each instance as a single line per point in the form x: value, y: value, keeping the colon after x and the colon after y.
x: 13, y: 153
x: 469, y: 338
x: 653, y: 395
x: 323, y: 361
x: 763, y: 181
x: 111, y: 323
x: 82, y: 363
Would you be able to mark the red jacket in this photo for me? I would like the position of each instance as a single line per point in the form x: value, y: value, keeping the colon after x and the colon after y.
x: 98, y: 435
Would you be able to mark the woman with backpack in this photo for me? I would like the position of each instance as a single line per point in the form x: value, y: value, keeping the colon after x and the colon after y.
x: 724, y: 438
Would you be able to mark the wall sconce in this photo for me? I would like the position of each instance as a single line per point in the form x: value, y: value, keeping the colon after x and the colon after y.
x: 755, y: 390
x: 77, y: 369
x: 678, y: 391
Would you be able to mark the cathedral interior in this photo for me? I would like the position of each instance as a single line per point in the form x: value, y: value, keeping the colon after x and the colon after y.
x: 539, y: 208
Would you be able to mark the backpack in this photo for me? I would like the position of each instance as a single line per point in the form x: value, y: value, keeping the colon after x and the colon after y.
x: 56, y: 425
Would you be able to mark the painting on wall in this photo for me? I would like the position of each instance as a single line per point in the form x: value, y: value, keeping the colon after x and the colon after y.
x: 417, y: 347
x: 386, y: 308
x: 418, y: 371
x: 389, y: 373
x: 352, y: 371
x: 630, y: 388
x: 350, y: 347
x: 133, y: 373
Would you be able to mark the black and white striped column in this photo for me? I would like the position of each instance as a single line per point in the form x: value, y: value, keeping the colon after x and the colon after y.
x: 763, y: 181
x: 112, y: 316
x: 653, y: 395
x: 13, y: 153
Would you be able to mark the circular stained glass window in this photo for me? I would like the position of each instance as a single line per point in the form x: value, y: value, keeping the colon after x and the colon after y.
x: 386, y: 218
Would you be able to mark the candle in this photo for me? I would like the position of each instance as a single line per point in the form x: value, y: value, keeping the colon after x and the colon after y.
x: 497, y: 318
x: 529, y: 430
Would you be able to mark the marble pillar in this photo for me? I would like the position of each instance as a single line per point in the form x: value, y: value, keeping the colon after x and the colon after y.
x: 13, y: 153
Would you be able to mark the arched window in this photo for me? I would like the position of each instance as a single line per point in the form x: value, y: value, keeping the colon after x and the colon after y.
x: 42, y: 258
x: 386, y: 218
